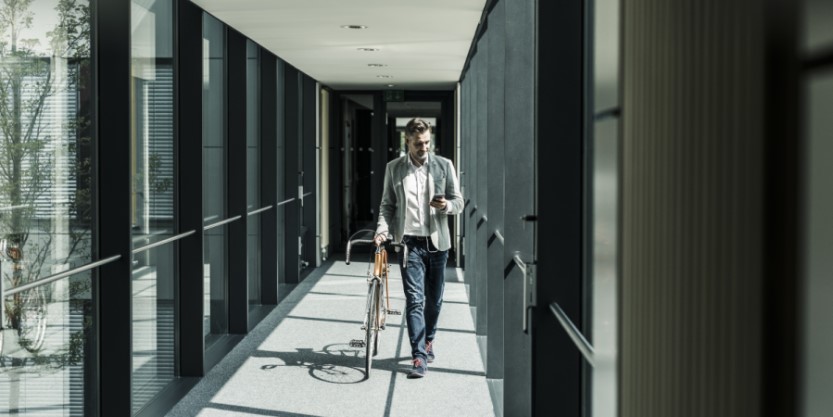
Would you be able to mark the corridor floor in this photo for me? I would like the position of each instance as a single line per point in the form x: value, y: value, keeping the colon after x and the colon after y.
x: 298, y: 361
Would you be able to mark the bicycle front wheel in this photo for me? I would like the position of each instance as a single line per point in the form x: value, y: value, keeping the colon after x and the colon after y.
x: 372, y: 325
x: 32, y: 326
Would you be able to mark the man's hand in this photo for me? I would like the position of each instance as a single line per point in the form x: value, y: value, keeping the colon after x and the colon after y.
x: 380, y: 239
x: 439, y: 203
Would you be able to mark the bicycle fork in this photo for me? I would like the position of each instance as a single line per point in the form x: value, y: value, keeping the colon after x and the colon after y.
x: 373, y: 287
x: 375, y: 303
x: 376, y: 288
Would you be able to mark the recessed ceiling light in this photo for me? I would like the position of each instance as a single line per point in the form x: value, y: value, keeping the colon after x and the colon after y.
x: 368, y: 49
x: 376, y: 65
x: 353, y: 27
x: 391, y: 85
x: 384, y: 76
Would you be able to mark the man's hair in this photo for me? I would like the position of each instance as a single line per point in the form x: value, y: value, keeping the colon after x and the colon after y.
x: 417, y: 126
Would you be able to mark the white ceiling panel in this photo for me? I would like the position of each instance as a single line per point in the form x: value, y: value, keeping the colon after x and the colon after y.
x: 423, y: 44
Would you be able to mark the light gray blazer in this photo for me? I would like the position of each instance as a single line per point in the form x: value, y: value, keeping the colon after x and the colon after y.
x: 442, y: 179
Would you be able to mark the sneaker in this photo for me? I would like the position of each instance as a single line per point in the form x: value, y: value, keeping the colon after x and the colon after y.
x: 419, y: 369
x: 429, y: 348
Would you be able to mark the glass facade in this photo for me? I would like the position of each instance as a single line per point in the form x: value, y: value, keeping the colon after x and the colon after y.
x: 817, y: 334
x: 44, y: 365
x: 56, y: 116
x: 253, y: 252
x: 152, y: 202
x: 818, y: 35
x: 46, y: 210
x: 214, y: 178
x: 602, y: 227
x: 45, y: 133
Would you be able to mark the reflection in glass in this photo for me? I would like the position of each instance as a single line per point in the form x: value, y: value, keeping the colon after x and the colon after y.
x: 253, y: 171
x: 604, y: 154
x: 45, y: 130
x: 43, y: 360
x: 817, y: 333
x: 152, y: 140
x: 152, y: 323
x: 605, y: 203
x: 45, y: 204
x: 818, y: 25
x: 152, y: 208
x: 279, y: 160
x: 214, y: 272
x: 214, y: 177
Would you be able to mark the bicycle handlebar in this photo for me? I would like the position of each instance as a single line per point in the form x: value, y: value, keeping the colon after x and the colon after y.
x: 368, y: 241
x: 350, y: 244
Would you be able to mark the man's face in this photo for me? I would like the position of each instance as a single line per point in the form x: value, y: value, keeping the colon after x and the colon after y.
x: 418, y: 146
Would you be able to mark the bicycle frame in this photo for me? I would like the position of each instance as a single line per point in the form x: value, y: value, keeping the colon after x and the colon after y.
x: 376, y: 310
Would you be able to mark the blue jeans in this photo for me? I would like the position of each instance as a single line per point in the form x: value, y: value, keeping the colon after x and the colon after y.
x: 423, y: 279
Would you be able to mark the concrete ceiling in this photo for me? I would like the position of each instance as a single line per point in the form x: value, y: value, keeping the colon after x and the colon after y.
x: 422, y: 44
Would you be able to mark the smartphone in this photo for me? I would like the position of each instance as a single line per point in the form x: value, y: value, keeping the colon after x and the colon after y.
x: 438, y: 197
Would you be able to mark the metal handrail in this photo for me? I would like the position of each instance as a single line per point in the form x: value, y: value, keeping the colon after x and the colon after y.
x: 521, y: 264
x: 582, y: 344
x: 286, y: 201
x: 220, y: 223
x: 10, y: 208
x: 55, y: 277
x: 260, y: 210
x: 305, y: 195
x: 137, y: 238
x: 500, y: 237
x: 163, y: 242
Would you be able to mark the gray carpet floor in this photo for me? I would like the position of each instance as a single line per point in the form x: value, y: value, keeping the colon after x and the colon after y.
x: 298, y: 361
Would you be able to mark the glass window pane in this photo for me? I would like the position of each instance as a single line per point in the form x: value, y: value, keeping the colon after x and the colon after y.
x: 45, y: 205
x: 214, y: 115
x: 818, y: 334
x: 279, y: 157
x: 605, y: 194
x: 253, y: 259
x: 606, y: 55
x: 214, y: 178
x: 45, y: 132
x: 603, y: 148
x: 818, y: 25
x: 214, y: 272
x: 253, y: 170
x: 152, y: 323
x: 152, y: 202
x: 45, y: 352
x: 253, y: 125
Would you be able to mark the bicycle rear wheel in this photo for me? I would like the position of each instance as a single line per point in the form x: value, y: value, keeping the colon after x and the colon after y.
x: 372, y: 327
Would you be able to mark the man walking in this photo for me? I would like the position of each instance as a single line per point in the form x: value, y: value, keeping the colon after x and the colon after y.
x: 420, y: 191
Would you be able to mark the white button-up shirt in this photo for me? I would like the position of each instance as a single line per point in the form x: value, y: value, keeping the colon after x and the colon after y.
x: 417, y: 209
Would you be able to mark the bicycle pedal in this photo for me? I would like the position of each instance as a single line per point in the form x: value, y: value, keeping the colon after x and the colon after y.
x: 394, y: 312
x: 358, y: 343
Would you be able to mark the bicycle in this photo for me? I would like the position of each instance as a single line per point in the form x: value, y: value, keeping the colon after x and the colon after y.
x: 25, y: 312
x: 375, y: 313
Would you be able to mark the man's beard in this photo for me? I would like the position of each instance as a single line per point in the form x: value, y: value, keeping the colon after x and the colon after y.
x: 418, y: 157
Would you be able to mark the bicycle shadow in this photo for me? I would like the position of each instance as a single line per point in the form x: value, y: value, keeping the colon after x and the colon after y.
x: 336, y: 363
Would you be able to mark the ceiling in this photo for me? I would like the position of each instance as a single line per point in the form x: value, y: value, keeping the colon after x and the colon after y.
x: 422, y: 44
